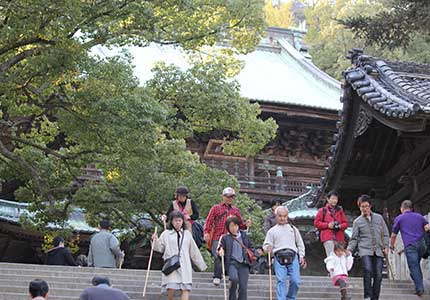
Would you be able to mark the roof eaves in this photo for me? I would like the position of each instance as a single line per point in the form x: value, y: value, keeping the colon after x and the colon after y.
x: 379, y: 97
x: 340, y: 139
x: 294, y: 104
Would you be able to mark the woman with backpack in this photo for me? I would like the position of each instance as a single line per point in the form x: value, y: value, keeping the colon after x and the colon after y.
x: 331, y: 223
x: 190, y: 211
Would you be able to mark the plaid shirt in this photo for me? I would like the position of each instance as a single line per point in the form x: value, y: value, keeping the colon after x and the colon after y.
x: 216, y: 211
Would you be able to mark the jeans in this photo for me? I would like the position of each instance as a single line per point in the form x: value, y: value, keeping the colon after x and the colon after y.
x: 281, y: 272
x: 238, y: 274
x: 372, y: 268
x: 217, y: 262
x: 414, y: 254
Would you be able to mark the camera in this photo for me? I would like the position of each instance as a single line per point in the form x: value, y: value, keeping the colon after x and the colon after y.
x: 336, y: 226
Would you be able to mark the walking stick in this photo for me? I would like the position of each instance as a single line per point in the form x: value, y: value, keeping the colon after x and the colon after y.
x: 223, y: 277
x: 149, y: 266
x: 390, y: 271
x: 270, y: 275
x: 121, y: 260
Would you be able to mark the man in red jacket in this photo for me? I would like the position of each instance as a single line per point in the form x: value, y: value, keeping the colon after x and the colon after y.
x: 216, y: 218
x: 331, y: 222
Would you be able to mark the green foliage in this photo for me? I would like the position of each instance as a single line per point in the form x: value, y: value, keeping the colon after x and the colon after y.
x: 329, y: 40
x: 62, y: 107
x: 394, y: 26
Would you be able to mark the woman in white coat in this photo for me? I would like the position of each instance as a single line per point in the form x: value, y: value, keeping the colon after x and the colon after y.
x: 168, y: 243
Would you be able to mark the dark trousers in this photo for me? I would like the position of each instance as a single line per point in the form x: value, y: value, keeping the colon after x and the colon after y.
x: 238, y: 274
x: 372, y: 269
x: 217, y: 261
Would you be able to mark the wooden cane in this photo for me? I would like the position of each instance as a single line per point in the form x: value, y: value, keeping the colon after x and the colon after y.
x: 270, y: 275
x: 149, y: 266
x: 223, y: 276
x: 121, y: 261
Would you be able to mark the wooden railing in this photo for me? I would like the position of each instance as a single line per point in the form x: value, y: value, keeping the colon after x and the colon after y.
x: 279, y: 185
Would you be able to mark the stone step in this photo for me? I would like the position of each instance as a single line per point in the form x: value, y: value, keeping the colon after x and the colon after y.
x: 203, y: 288
x: 73, y: 272
x: 82, y: 282
x: 131, y: 272
x: 210, y: 294
x: 68, y: 283
x: 151, y: 296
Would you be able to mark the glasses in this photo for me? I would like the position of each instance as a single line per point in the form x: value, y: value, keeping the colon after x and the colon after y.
x: 231, y: 196
x: 364, y: 206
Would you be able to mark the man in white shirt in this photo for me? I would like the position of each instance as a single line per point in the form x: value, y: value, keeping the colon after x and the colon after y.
x: 285, y: 241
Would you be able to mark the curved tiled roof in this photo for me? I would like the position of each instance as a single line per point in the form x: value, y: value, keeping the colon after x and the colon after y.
x: 396, y: 90
x: 390, y: 88
x: 276, y: 72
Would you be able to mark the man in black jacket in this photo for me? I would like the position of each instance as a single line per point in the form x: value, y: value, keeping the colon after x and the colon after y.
x: 59, y: 255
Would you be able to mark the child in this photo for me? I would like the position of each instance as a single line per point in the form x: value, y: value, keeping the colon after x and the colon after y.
x: 338, y: 263
x: 176, y: 240
x: 232, y: 246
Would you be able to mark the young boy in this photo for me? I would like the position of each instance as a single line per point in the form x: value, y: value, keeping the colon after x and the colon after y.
x: 338, y: 263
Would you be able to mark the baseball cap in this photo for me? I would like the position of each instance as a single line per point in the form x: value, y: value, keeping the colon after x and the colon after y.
x: 228, y: 191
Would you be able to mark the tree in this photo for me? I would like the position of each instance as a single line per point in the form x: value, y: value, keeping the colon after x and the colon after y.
x: 62, y: 107
x: 397, y: 25
x: 279, y: 16
x: 329, y: 40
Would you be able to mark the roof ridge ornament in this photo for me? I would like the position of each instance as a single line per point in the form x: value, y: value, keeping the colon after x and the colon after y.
x: 354, y: 55
x: 363, y: 122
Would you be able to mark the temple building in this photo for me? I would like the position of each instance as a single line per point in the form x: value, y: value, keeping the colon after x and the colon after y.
x: 382, y: 146
x: 304, y: 101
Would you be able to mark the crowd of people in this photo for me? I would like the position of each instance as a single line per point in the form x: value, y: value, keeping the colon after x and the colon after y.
x: 226, y: 236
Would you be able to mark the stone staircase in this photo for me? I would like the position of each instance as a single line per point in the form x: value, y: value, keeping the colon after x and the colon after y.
x: 68, y: 283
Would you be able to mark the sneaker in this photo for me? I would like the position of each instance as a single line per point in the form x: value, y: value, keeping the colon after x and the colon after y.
x: 216, y: 281
x: 420, y: 294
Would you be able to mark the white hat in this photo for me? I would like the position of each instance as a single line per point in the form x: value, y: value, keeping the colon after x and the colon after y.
x: 228, y: 191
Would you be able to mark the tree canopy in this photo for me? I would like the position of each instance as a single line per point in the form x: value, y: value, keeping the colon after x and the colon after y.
x: 63, y: 107
x: 397, y: 25
x: 279, y: 16
x: 329, y: 40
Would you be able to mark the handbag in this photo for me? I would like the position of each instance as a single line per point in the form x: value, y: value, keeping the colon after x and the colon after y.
x: 173, y: 263
x: 285, y: 256
x: 251, y: 256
